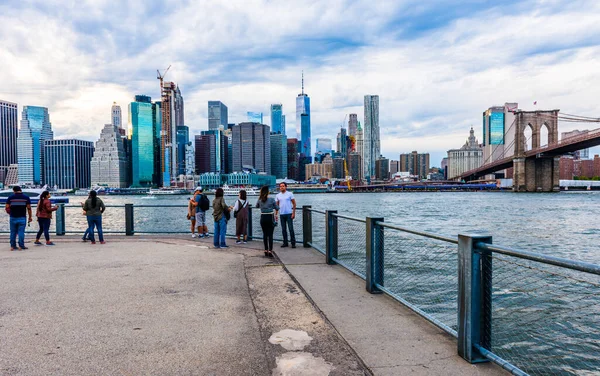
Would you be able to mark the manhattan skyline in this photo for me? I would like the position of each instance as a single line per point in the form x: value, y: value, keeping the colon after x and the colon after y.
x: 436, y: 67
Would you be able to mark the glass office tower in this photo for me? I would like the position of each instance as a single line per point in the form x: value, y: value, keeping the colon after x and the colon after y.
x: 143, y: 137
x: 277, y: 119
x: 35, y: 129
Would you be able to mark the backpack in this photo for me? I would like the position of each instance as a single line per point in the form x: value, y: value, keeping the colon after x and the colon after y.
x: 227, y: 214
x: 204, y: 203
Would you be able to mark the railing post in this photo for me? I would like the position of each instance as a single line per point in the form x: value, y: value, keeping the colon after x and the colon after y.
x: 331, y: 237
x: 249, y: 222
x: 60, y: 220
x: 474, y: 297
x: 129, y: 230
x: 306, y: 226
x: 375, y: 252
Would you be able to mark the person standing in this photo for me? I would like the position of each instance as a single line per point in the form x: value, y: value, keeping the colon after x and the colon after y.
x: 287, y: 209
x: 240, y: 212
x: 202, y: 204
x: 268, y: 218
x: 18, y: 206
x: 44, y: 217
x: 94, y: 208
x: 220, y: 214
x: 86, y: 234
x: 191, y: 215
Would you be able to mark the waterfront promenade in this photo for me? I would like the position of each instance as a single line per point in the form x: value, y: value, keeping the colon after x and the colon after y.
x: 174, y: 306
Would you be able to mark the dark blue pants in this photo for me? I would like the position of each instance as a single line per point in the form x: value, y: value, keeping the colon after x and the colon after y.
x: 44, y: 228
x: 95, y: 221
x: 17, y: 227
x: 287, y: 222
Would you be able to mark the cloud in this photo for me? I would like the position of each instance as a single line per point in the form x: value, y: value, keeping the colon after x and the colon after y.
x: 435, y: 65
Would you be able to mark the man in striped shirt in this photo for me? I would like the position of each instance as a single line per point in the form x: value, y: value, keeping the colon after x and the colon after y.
x: 18, y: 206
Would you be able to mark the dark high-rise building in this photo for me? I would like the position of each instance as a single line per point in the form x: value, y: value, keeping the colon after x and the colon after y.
x: 342, y: 142
x: 277, y: 125
x: 354, y: 165
x: 211, y: 152
x: 338, y: 168
x: 67, y: 163
x: 35, y: 129
x: 183, y: 138
x: 303, y: 160
x: 382, y: 168
x: 352, y: 124
x: 415, y: 164
x: 292, y: 158
x: 9, y: 129
x: 251, y: 147
x: 303, y: 120
x: 371, y: 143
x: 306, y: 140
x: 278, y: 155
x: 217, y: 115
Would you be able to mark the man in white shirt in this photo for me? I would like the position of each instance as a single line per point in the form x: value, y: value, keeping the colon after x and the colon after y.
x: 287, y: 212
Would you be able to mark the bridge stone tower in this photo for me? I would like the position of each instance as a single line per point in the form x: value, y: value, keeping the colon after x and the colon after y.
x: 535, y: 172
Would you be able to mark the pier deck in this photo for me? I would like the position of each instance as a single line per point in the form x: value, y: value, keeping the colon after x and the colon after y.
x: 175, y: 306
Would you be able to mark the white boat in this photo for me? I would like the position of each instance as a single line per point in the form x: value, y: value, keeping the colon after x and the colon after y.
x: 168, y: 191
x: 235, y: 191
x: 34, y: 195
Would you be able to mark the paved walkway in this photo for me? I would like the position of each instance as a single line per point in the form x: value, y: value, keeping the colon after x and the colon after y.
x: 174, y: 306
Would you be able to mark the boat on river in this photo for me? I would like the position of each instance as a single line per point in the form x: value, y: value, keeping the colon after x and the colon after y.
x: 34, y: 195
x: 235, y: 191
x: 167, y: 192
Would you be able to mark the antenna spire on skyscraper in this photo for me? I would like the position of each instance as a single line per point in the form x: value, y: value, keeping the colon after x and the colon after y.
x: 302, y: 82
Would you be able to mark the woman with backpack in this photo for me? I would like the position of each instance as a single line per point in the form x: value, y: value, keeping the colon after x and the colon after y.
x: 220, y: 216
x: 94, y: 208
x: 240, y: 212
x: 268, y: 218
x: 44, y: 216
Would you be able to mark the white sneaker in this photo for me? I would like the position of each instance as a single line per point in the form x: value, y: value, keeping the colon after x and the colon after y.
x: 193, y: 235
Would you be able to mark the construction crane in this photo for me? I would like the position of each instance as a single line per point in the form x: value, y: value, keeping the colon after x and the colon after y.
x: 161, y: 76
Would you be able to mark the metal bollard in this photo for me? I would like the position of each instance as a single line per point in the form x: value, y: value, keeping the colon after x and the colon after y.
x: 474, y: 298
x: 60, y: 220
x: 375, y: 253
x: 249, y: 222
x: 306, y: 226
x: 129, y: 230
x: 331, y: 237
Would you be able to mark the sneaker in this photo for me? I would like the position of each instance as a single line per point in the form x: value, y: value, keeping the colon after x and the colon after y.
x: 92, y: 242
x: 245, y: 242
x: 284, y: 246
x: 12, y: 249
x: 193, y: 235
x: 200, y: 236
x: 224, y: 246
x: 23, y: 248
x: 84, y: 240
x: 293, y: 245
x: 206, y: 235
x: 102, y: 242
x: 238, y: 242
x: 49, y: 243
x: 37, y: 242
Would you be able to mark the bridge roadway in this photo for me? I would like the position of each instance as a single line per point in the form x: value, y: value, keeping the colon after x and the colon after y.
x: 567, y: 145
x: 175, y: 306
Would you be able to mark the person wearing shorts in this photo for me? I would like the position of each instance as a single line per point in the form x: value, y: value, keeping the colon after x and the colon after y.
x: 191, y: 216
x: 200, y: 214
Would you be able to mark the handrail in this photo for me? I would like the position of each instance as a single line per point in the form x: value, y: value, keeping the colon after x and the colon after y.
x: 415, y: 232
x: 349, y: 218
x: 551, y: 260
x: 317, y: 211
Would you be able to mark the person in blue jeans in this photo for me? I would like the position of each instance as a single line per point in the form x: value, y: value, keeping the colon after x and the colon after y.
x: 94, y: 207
x: 219, y: 209
x: 18, y: 206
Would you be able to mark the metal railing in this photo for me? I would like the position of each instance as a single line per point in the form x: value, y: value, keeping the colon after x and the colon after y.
x: 527, y: 312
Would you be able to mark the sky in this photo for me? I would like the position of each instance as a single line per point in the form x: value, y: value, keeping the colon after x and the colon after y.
x: 436, y: 65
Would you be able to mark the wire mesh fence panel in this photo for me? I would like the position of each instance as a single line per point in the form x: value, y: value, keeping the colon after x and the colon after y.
x: 163, y: 219
x: 423, y: 271
x: 297, y: 227
x: 257, y: 232
x: 352, y: 250
x: 545, y: 319
x: 319, y: 221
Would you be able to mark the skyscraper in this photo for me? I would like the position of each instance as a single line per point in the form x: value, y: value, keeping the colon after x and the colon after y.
x: 116, y: 118
x: 67, y: 163
x: 179, y: 115
x: 382, y: 168
x: 292, y: 159
x: 279, y: 155
x: 211, y: 151
x: 277, y: 118
x: 9, y: 129
x: 35, y: 129
x: 217, y: 115
x: 371, y: 146
x: 171, y: 112
x: 109, y: 163
x: 342, y: 142
x: 251, y: 147
x: 415, y: 164
x: 303, y: 129
x: 498, y: 132
x: 143, y: 121
x: 255, y: 117
x: 183, y: 138
x: 352, y: 124
x: 360, y: 151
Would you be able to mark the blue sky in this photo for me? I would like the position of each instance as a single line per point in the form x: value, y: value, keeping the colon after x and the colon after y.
x: 436, y: 65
